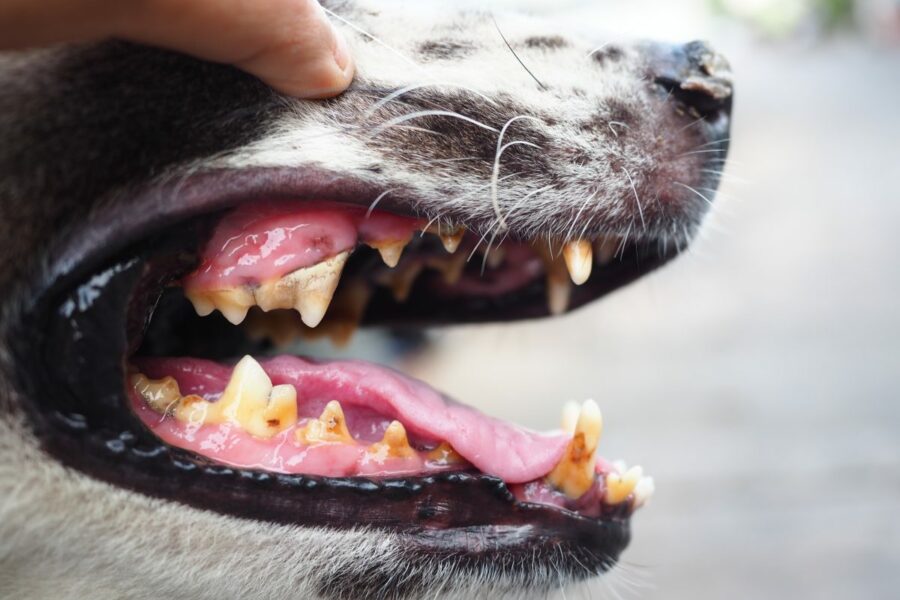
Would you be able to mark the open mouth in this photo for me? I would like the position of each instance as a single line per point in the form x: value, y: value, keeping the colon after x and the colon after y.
x: 171, y: 375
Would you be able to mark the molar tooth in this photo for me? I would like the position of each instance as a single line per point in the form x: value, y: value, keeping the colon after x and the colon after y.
x: 444, y: 454
x: 620, y: 486
x: 578, y: 256
x: 247, y: 392
x: 574, y: 473
x: 279, y: 413
x: 605, y: 249
x: 330, y: 427
x: 308, y: 290
x: 162, y: 395
x: 390, y: 250
x: 394, y: 443
x: 643, y: 491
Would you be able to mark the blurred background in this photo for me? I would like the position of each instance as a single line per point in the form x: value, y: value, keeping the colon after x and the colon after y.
x: 758, y: 377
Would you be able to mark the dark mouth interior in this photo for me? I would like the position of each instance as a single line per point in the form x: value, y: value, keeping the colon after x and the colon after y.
x: 133, y: 309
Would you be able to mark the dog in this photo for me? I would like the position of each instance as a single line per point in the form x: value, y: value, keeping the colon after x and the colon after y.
x: 115, y: 156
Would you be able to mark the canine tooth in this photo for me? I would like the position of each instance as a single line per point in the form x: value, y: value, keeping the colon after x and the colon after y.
x: 570, y: 413
x: 643, y: 491
x: 574, y: 473
x: 620, y: 486
x: 444, y: 454
x: 605, y: 249
x: 390, y: 251
x: 233, y: 303
x: 579, y: 259
x: 308, y: 290
x: 162, y: 395
x: 394, y: 443
x: 202, y: 304
x: 330, y: 427
x: 559, y: 291
x: 559, y: 286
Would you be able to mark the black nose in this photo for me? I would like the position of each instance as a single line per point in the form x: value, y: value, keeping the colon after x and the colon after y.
x: 695, y: 75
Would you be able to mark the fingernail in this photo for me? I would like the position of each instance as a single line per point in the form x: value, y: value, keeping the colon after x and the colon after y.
x: 341, y: 50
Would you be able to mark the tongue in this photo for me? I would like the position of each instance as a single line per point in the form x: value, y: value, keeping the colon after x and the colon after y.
x: 512, y: 453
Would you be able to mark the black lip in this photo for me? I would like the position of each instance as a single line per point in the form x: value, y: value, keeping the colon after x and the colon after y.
x: 72, y: 344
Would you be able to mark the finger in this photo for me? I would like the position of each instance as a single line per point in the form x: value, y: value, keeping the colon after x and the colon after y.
x: 289, y: 44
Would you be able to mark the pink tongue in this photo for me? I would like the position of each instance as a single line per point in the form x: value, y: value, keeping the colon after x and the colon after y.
x: 510, y: 452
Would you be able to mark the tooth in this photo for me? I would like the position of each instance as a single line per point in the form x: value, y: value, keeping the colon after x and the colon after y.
x: 570, y: 413
x: 247, y: 392
x: 444, y: 454
x: 605, y: 249
x: 579, y: 259
x: 390, y: 251
x: 643, y: 491
x: 279, y: 413
x: 450, y: 236
x: 393, y: 444
x: 559, y: 287
x: 495, y: 257
x: 202, y: 304
x: 401, y: 280
x: 451, y: 267
x: 559, y: 291
x: 330, y: 427
x: 233, y: 303
x: 619, y: 487
x: 308, y: 290
x: 162, y: 395
x: 574, y: 473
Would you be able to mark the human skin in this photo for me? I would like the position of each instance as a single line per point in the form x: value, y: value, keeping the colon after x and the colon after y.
x: 289, y: 44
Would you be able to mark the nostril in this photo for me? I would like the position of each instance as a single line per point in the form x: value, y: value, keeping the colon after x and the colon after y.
x: 695, y: 75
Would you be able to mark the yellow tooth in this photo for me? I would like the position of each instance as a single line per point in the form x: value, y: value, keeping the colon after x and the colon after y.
x: 444, y: 454
x: 570, y: 413
x: 281, y: 327
x: 559, y: 292
x: 574, y: 473
x: 451, y: 267
x: 233, y: 303
x: 450, y: 236
x: 401, y: 280
x: 495, y: 257
x: 559, y: 287
x: 202, y: 304
x: 308, y: 290
x: 605, y: 249
x: 394, y: 443
x: 643, y: 491
x: 390, y: 250
x: 620, y: 486
x: 162, y: 395
x: 279, y: 413
x: 330, y: 427
x: 579, y: 260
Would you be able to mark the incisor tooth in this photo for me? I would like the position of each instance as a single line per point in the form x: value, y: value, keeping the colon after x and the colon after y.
x: 330, y: 427
x: 390, y: 251
x: 643, y: 491
x: 394, y: 443
x: 574, y: 473
x: 620, y: 486
x: 162, y: 395
x: 308, y: 290
x: 579, y: 260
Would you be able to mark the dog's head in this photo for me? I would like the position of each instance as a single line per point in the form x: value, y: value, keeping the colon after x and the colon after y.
x: 120, y: 162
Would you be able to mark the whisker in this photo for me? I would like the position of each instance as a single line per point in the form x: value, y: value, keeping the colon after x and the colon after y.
x: 636, y: 198
x: 708, y: 201
x: 505, y: 41
x: 496, y: 170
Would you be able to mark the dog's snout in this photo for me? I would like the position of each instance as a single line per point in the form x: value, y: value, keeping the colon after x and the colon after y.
x: 694, y: 74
